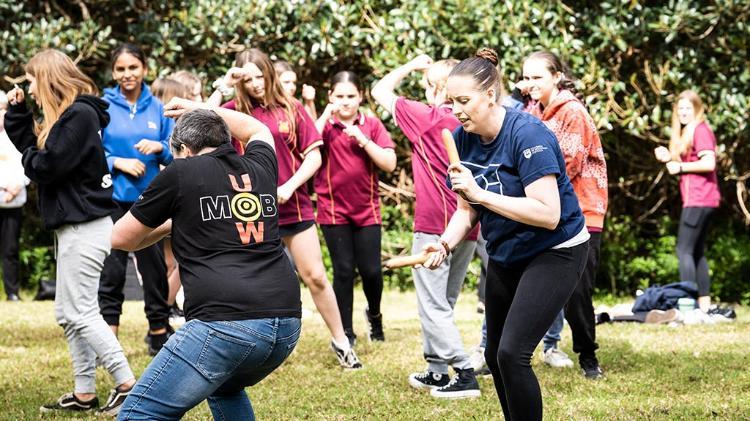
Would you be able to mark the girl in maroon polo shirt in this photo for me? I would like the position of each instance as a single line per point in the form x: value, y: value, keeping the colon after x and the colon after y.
x: 260, y: 94
x: 355, y: 147
x: 288, y: 78
x: 437, y: 290
x: 692, y: 156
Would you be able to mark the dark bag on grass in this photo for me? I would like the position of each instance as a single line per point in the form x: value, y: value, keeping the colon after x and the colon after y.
x: 46, y: 290
x: 664, y: 297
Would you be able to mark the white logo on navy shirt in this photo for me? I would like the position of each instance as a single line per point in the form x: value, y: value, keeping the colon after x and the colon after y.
x: 488, y: 178
x: 152, y: 125
x: 528, y: 152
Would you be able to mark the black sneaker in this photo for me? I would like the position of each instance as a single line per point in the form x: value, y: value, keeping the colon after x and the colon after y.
x: 69, y: 402
x: 351, y: 336
x: 428, y: 380
x: 114, y: 402
x: 375, y: 325
x: 463, y: 385
x: 590, y: 368
x: 726, y: 312
x: 348, y: 359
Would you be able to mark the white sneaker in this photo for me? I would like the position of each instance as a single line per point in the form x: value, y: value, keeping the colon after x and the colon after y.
x: 697, y: 317
x: 476, y: 359
x: 554, y: 357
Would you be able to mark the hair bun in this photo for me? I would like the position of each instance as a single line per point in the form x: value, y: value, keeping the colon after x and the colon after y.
x: 488, y: 54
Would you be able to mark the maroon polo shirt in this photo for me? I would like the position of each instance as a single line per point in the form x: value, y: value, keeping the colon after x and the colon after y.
x: 290, y: 153
x: 347, y: 182
x: 423, y: 124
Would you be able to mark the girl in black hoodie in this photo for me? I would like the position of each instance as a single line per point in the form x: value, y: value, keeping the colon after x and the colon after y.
x: 63, y: 154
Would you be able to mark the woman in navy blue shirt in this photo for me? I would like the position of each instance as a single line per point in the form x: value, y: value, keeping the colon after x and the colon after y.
x: 512, y: 179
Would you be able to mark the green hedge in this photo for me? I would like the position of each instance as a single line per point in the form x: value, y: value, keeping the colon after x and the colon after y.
x: 631, y: 57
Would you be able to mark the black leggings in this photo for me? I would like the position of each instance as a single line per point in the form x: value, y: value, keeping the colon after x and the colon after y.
x: 153, y: 270
x: 691, y: 243
x: 521, y: 304
x: 352, y: 246
x: 579, y: 311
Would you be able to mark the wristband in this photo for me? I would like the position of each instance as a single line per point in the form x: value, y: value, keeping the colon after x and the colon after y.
x: 222, y: 87
x: 365, y: 144
x: 680, y: 172
x: 446, y: 247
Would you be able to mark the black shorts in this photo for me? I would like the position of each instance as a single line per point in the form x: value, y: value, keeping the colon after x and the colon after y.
x: 295, y: 228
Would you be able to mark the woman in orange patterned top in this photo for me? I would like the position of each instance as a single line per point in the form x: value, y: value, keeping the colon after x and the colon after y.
x: 547, y: 81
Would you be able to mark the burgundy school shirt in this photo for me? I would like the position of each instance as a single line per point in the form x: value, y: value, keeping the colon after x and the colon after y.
x: 700, y: 190
x: 423, y: 124
x: 290, y: 154
x: 347, y: 182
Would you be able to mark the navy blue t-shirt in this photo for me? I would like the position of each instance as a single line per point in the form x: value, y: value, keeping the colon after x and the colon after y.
x: 523, y: 152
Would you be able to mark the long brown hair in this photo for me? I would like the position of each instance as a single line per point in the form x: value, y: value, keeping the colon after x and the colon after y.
x: 58, y: 83
x: 274, y: 95
x: 681, y: 139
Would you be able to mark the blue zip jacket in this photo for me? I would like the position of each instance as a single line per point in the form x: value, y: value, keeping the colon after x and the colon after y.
x: 128, y: 125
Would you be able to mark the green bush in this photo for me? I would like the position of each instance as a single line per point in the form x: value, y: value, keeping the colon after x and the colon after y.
x: 631, y: 58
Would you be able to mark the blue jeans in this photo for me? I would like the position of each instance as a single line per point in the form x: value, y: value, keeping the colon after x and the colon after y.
x: 214, y: 361
x: 552, y: 337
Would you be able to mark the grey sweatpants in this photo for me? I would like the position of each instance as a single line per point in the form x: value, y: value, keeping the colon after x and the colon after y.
x: 437, y: 293
x: 81, y: 249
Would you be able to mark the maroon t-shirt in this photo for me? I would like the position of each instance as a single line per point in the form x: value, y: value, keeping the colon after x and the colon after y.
x: 347, y: 182
x: 290, y: 153
x: 423, y: 124
x: 700, y: 190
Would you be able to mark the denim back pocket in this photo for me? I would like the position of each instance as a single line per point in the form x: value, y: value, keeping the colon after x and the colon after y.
x: 222, y: 354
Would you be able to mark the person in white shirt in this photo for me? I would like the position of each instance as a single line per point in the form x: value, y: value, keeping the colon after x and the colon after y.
x: 13, y: 184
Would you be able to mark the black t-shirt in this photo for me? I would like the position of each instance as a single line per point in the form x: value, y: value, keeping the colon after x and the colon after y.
x: 225, y: 233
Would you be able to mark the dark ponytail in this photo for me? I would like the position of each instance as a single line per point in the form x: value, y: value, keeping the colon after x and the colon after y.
x: 555, y: 65
x: 482, y: 68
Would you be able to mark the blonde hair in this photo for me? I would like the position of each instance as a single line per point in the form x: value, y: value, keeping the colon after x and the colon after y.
x: 190, y: 80
x: 438, y: 72
x: 166, y: 89
x: 58, y: 83
x: 681, y: 139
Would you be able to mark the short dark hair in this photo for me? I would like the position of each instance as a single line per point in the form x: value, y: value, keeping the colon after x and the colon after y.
x: 198, y: 129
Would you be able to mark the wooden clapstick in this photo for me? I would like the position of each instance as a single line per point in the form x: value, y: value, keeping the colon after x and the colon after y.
x: 450, y: 147
x: 403, y: 261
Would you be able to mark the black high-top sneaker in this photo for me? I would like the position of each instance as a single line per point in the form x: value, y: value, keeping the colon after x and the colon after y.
x: 463, y: 385
x: 428, y: 380
x: 375, y: 325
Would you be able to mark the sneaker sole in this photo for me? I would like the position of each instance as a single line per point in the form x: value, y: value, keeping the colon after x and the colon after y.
x: 463, y: 394
x: 416, y: 384
x: 63, y: 410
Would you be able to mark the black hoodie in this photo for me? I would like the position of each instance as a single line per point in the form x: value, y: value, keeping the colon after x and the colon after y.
x: 74, y: 181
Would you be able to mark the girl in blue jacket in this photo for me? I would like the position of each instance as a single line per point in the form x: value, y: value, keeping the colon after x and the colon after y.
x: 135, y: 145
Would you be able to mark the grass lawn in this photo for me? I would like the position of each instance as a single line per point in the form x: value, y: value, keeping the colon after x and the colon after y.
x: 652, y: 372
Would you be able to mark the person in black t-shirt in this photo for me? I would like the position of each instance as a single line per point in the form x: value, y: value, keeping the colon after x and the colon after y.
x: 242, y: 297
